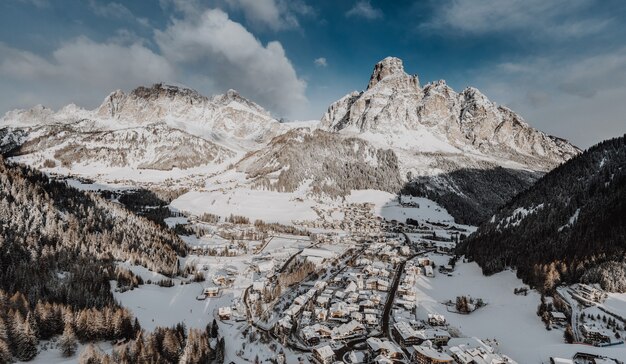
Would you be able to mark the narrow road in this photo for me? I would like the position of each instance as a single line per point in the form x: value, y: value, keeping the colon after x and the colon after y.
x: 394, y: 288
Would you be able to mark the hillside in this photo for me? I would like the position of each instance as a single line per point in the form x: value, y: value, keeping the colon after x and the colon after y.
x: 72, y: 237
x: 570, y: 226
x: 329, y: 163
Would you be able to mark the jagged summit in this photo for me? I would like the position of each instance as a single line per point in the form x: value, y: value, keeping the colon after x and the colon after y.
x: 396, y: 111
x: 387, y: 67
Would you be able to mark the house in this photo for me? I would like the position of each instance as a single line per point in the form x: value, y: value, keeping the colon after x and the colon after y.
x: 283, y: 327
x: 428, y: 271
x: 323, y: 355
x: 436, y: 336
x: 594, y: 335
x: 473, y: 350
x: 309, y: 335
x: 211, y: 291
x: 224, y: 313
x: 436, y: 319
x: 589, y: 293
x: 404, y: 334
x: 293, y: 310
x: 557, y: 316
x: 321, y: 314
x: 347, y: 330
x: 386, y: 348
x: 220, y: 280
x: 323, y: 301
x: 426, y: 354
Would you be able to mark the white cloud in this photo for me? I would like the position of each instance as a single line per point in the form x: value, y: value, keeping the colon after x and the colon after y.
x: 556, y: 18
x: 272, y: 14
x: 229, y: 56
x: 573, y: 97
x: 321, y: 62
x: 80, y: 71
x: 364, y: 9
x: 113, y: 10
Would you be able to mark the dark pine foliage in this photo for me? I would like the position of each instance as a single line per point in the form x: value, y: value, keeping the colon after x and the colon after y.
x: 58, y: 244
x: 543, y: 245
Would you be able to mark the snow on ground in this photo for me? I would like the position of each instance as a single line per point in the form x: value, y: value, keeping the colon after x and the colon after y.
x: 269, y: 206
x: 386, y: 205
x: 52, y: 354
x: 162, y: 306
x: 166, y: 306
x: 173, y: 221
x: 616, y: 303
x: 509, y: 318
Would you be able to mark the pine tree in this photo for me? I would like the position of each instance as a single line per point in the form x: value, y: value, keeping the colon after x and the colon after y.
x: 219, y: 351
x: 214, y: 329
x: 5, y: 349
x: 67, y: 343
x: 24, y: 339
x: 171, y: 346
x: 90, y: 356
x: 568, y: 334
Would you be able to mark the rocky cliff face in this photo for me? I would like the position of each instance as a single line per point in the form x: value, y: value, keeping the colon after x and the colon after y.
x: 223, y: 116
x: 435, y: 118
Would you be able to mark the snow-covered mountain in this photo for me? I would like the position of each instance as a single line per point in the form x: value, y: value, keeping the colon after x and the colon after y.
x: 228, y: 117
x: 396, y: 111
x: 160, y: 127
x: 460, y: 149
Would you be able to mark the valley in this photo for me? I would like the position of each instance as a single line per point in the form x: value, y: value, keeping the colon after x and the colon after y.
x: 227, y: 236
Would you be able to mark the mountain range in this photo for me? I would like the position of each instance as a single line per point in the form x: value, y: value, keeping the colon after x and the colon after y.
x: 459, y: 149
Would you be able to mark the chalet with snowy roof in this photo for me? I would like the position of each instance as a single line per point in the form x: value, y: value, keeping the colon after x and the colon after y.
x: 384, y: 348
x: 594, y: 335
x: 436, y: 336
x: 405, y: 334
x: 556, y: 316
x: 589, y: 293
x: 211, y: 291
x: 435, y: 319
x: 323, y: 355
x: 224, y: 313
x: 348, y: 330
x: 426, y: 354
x: 475, y: 351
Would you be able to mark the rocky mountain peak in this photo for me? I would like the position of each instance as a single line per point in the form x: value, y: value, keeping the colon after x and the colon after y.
x: 387, y: 67
x: 161, y: 91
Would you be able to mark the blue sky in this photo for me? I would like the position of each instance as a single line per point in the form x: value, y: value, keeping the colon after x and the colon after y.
x: 561, y: 64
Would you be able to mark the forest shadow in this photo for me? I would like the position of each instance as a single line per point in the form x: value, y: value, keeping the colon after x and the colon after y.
x: 472, y: 195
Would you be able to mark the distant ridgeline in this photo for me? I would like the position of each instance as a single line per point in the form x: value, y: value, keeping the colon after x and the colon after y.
x: 569, y: 227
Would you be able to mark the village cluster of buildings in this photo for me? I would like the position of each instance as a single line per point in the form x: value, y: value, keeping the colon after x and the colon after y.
x: 356, y: 218
x: 349, y: 305
x: 384, y: 351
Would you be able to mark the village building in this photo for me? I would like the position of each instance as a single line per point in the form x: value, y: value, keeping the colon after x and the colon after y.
x: 211, y: 291
x: 594, y: 335
x: 405, y: 335
x: 426, y: 354
x: 323, y: 355
x: 224, y: 313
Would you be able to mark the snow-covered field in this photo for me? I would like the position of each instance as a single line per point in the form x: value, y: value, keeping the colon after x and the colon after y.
x: 510, y: 319
x: 268, y: 206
